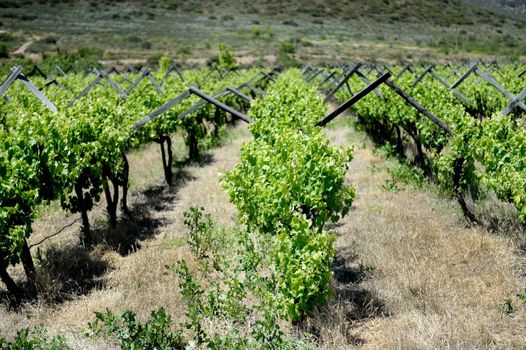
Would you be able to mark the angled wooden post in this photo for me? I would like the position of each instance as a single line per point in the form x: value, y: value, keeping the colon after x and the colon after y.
x: 162, y: 109
x: 215, y: 102
x: 343, y: 81
x: 464, y: 76
x: 411, y: 101
x: 422, y: 75
x: 361, y: 94
x: 16, y: 74
x: 517, y: 101
x: 366, y: 81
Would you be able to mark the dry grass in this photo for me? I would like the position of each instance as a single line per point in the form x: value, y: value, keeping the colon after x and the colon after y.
x: 127, y: 269
x: 409, y: 274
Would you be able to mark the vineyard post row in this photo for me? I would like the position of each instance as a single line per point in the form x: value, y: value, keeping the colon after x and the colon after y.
x: 16, y: 73
x: 112, y: 199
x: 372, y: 87
x: 514, y: 101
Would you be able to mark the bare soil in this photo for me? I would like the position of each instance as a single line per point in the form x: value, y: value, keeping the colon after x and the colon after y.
x: 409, y: 272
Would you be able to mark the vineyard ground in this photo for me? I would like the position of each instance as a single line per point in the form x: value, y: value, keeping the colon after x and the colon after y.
x: 408, y: 273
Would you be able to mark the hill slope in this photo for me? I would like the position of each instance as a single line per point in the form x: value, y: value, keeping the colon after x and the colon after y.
x: 321, y: 31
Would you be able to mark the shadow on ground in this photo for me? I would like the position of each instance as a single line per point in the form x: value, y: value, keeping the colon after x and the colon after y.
x: 63, y: 272
x: 350, y: 303
x: 70, y: 270
x: 204, y: 160
x: 348, y: 278
x: 141, y: 222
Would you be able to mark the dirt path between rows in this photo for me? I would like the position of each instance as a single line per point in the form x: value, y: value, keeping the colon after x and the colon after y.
x: 128, y: 269
x: 408, y: 273
x: 22, y: 49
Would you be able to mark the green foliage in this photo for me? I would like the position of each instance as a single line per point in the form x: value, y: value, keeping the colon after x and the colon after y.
x: 271, y: 32
x: 297, y: 173
x: 153, y: 334
x: 507, y: 308
x: 36, y: 339
x: 164, y: 65
x: 522, y: 295
x: 267, y: 332
x: 235, y: 295
x: 290, y: 167
x: 184, y: 50
x: 501, y: 148
x: 285, y: 58
x: 485, y: 152
x: 287, y: 48
x: 199, y: 225
x: 304, y: 261
x: 407, y: 174
x: 226, y: 58
x: 289, y: 183
x: 74, y: 155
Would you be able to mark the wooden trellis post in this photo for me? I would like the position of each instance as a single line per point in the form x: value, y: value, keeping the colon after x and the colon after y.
x: 16, y: 74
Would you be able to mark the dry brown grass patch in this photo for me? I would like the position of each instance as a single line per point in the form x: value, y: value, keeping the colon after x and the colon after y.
x: 436, y: 282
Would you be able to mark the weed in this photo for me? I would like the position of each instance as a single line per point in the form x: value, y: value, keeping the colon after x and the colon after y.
x: 154, y: 334
x: 391, y: 185
x: 407, y: 174
x: 200, y: 229
x: 506, y: 307
x: 375, y: 169
x: 267, y: 332
x: 256, y: 31
x: 184, y: 50
x: 34, y: 339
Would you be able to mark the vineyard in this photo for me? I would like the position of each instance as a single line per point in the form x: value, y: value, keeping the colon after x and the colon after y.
x: 266, y: 278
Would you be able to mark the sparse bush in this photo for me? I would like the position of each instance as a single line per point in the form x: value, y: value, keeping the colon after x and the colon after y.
x: 200, y: 227
x: 146, y: 45
x: 153, y: 60
x: 6, y: 37
x: 287, y: 48
x: 256, y: 31
x: 6, y: 4
x: 132, y: 38
x: 184, y: 50
x: 226, y: 58
x: 45, y: 44
x: 154, y: 334
x: 91, y: 52
x: 37, y: 339
x: 50, y: 40
x: 28, y: 17
x: 290, y: 23
x: 164, y: 64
